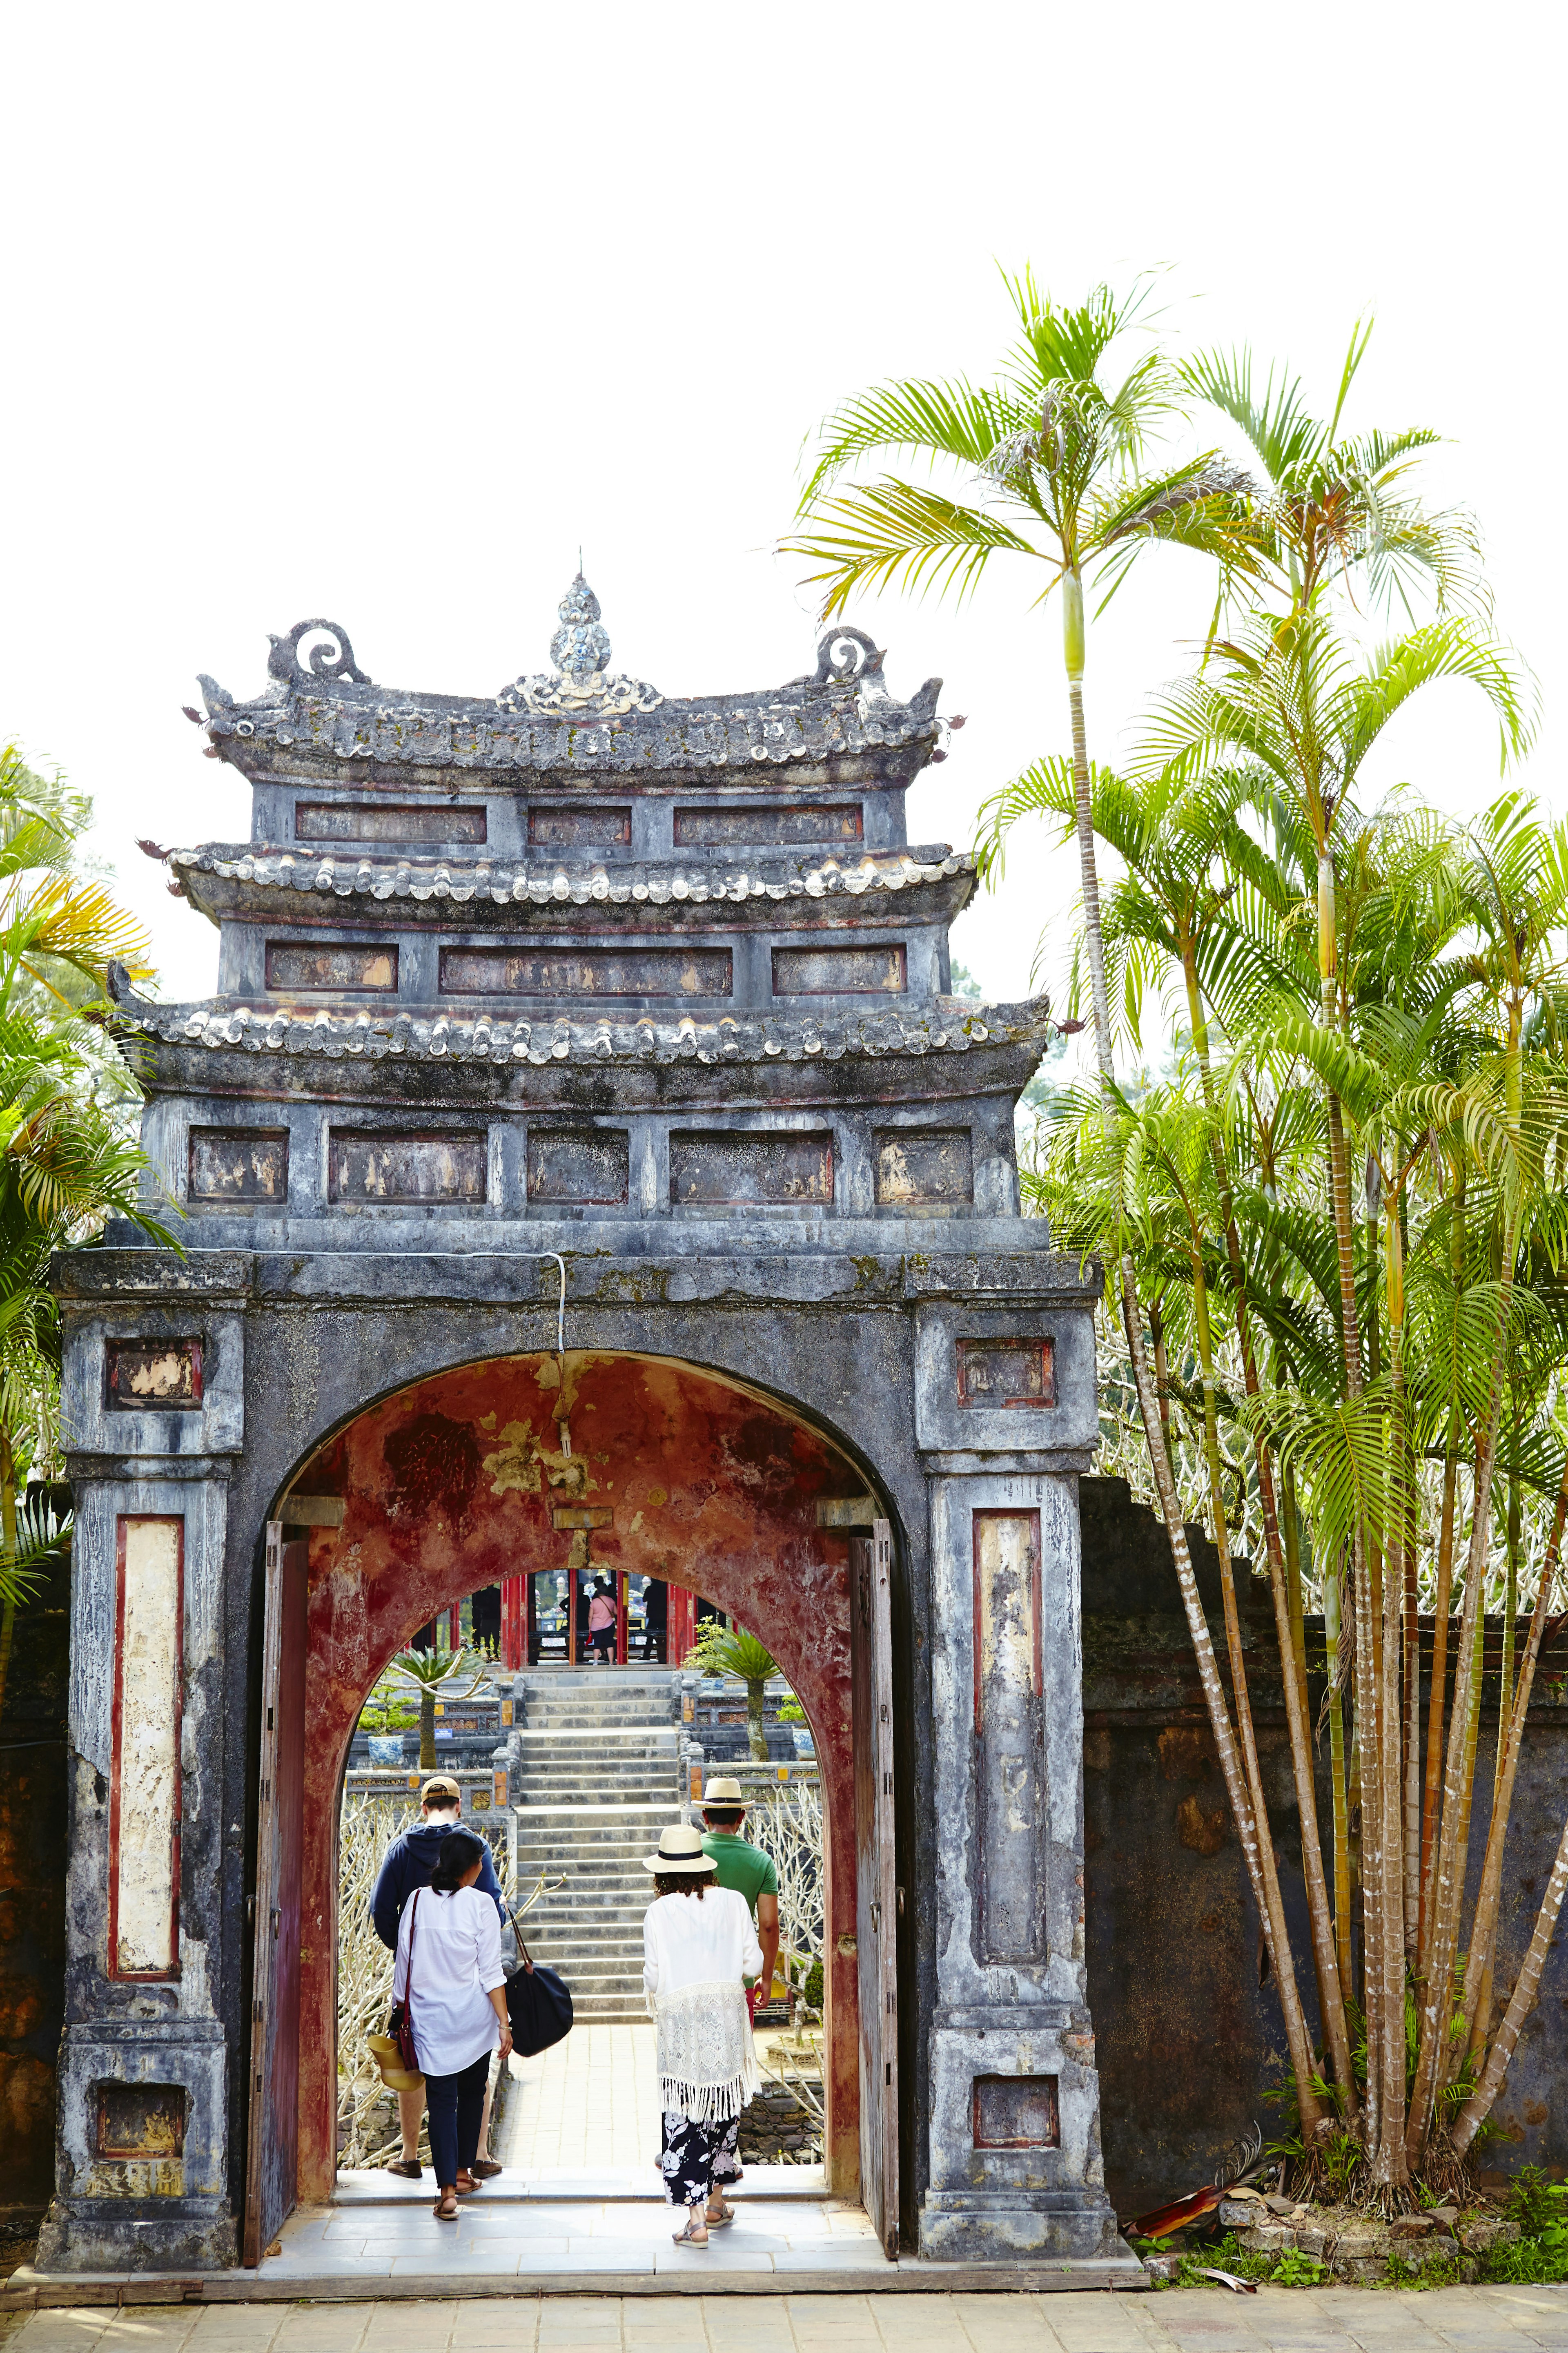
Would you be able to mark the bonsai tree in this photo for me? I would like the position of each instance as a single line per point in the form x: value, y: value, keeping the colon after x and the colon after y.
x: 729, y: 1650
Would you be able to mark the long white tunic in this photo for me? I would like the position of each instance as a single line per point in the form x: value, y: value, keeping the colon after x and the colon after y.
x: 695, y: 1954
x: 456, y: 1962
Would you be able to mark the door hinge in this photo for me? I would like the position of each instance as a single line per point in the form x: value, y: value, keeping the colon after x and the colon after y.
x: 876, y: 1917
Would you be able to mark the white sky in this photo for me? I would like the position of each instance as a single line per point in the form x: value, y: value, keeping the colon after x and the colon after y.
x: 376, y: 311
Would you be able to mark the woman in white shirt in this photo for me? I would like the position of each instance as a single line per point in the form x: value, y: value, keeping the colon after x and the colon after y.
x: 699, y: 1949
x: 451, y: 1983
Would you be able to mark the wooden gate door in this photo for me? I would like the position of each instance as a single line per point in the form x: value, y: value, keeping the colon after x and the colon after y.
x: 272, y: 2156
x: 876, y: 1893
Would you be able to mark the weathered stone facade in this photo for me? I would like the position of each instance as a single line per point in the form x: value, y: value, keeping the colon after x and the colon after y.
x: 585, y: 995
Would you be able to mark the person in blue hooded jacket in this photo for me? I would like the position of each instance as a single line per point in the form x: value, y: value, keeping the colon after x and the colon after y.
x: 409, y: 1862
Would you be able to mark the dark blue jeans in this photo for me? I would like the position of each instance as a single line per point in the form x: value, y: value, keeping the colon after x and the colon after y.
x: 455, y: 2103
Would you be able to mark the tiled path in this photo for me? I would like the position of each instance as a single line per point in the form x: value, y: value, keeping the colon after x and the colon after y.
x: 592, y: 2102
x: 1278, y: 2320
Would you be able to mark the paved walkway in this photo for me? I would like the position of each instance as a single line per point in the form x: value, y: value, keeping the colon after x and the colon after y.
x: 1275, y: 2320
x: 590, y: 2105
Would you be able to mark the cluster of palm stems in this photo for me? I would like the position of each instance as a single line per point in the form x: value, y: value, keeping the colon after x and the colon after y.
x: 1334, y: 1237
x: 68, y: 1154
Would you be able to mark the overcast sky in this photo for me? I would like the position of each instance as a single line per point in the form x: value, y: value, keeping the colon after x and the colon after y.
x: 375, y: 313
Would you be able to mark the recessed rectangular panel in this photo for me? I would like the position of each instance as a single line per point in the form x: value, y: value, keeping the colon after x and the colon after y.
x: 587, y: 972
x: 369, y: 821
x: 240, y: 1164
x: 144, y: 1788
x: 920, y: 1168
x: 305, y: 965
x: 584, y: 1164
x: 717, y: 828
x: 419, y: 1165
x: 153, y: 1376
x: 1005, y: 1373
x: 880, y: 971
x: 1010, y: 1735
x: 729, y: 1169
x: 140, y: 2120
x: 579, y: 829
x: 1016, y: 2112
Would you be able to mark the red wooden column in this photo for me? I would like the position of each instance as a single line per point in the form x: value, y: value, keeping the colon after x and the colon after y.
x: 623, y: 1606
x: 514, y: 1621
x: 454, y: 1627
x: 682, y: 1624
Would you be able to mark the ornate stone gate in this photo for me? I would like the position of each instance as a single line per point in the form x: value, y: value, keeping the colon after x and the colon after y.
x: 586, y: 1004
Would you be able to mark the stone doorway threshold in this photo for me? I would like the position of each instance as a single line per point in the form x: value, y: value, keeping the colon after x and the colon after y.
x: 563, y: 2234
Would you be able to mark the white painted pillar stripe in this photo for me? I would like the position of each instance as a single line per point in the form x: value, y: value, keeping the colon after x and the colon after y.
x: 144, y: 1795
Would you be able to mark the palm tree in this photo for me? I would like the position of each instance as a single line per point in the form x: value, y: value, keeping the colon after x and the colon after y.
x: 1054, y: 457
x: 66, y: 1162
x: 431, y: 1671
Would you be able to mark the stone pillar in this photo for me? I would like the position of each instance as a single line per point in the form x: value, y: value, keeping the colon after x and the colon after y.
x: 152, y: 1408
x: 1005, y: 1416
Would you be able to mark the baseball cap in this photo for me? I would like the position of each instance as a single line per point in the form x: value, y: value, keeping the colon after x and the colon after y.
x: 440, y: 1785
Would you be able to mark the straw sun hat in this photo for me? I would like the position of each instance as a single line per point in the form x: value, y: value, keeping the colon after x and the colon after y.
x: 680, y: 1852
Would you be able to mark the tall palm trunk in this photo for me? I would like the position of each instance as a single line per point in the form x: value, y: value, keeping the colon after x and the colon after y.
x: 1302, y: 2058
x: 1148, y: 1399
x: 1520, y: 2003
x: 1284, y: 1586
x: 8, y: 1538
x: 1482, y: 1961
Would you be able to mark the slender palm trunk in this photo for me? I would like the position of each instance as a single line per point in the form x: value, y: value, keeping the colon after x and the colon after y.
x: 1149, y: 1404
x: 1284, y: 1577
x: 1436, y: 1993
x: 1482, y: 1961
x: 1521, y: 2002
x: 1436, y: 1702
x: 1340, y: 1790
x: 8, y: 1537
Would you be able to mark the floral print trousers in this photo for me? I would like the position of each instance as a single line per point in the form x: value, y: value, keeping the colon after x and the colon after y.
x: 696, y: 2157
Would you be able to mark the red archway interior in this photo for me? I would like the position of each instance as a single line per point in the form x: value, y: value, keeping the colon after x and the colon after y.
x: 456, y: 1482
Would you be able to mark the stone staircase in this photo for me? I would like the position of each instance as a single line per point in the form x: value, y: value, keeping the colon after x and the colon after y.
x: 599, y: 1778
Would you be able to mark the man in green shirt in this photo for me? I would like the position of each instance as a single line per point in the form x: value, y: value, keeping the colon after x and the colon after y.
x: 739, y: 1864
x: 744, y: 1867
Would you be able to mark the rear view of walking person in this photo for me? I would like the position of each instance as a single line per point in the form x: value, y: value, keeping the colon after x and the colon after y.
x: 407, y: 1867
x: 699, y: 1949
x: 452, y: 1986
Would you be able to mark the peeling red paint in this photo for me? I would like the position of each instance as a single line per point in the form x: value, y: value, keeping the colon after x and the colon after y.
x: 452, y: 1483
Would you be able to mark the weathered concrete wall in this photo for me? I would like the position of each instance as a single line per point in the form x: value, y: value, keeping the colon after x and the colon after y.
x: 1190, y: 2036
x: 33, y: 1893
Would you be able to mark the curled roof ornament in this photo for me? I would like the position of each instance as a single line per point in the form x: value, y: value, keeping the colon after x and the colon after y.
x: 582, y: 683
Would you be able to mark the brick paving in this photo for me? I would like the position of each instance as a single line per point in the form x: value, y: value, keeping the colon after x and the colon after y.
x: 1326, y: 2320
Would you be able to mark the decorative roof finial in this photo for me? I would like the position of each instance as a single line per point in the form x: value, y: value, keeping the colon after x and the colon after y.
x: 583, y: 680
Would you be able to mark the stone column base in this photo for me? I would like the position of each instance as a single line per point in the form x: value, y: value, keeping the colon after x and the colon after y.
x: 89, y: 2235
x: 142, y: 2180
x: 1015, y: 2226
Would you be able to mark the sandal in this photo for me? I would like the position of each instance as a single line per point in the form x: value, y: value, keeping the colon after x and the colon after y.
x: 407, y: 2168
x: 722, y: 2221
x: 467, y: 2185
x: 694, y: 2235
x: 484, y: 2169
x: 446, y: 2208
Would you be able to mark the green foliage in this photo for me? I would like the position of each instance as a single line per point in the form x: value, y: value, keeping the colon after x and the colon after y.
x: 1289, y: 2269
x: 1539, y: 2207
x: 386, y: 1711
x: 729, y: 1651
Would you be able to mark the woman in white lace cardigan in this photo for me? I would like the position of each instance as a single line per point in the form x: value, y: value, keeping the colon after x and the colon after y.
x: 699, y: 1949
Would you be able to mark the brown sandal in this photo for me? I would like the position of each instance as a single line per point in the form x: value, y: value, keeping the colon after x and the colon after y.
x: 445, y: 2207
x: 407, y: 2168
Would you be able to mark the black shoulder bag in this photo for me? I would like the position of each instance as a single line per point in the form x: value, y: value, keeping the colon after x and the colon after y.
x: 538, y: 2006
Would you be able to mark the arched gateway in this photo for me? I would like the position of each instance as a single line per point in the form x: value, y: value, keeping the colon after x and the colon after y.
x: 642, y: 1005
